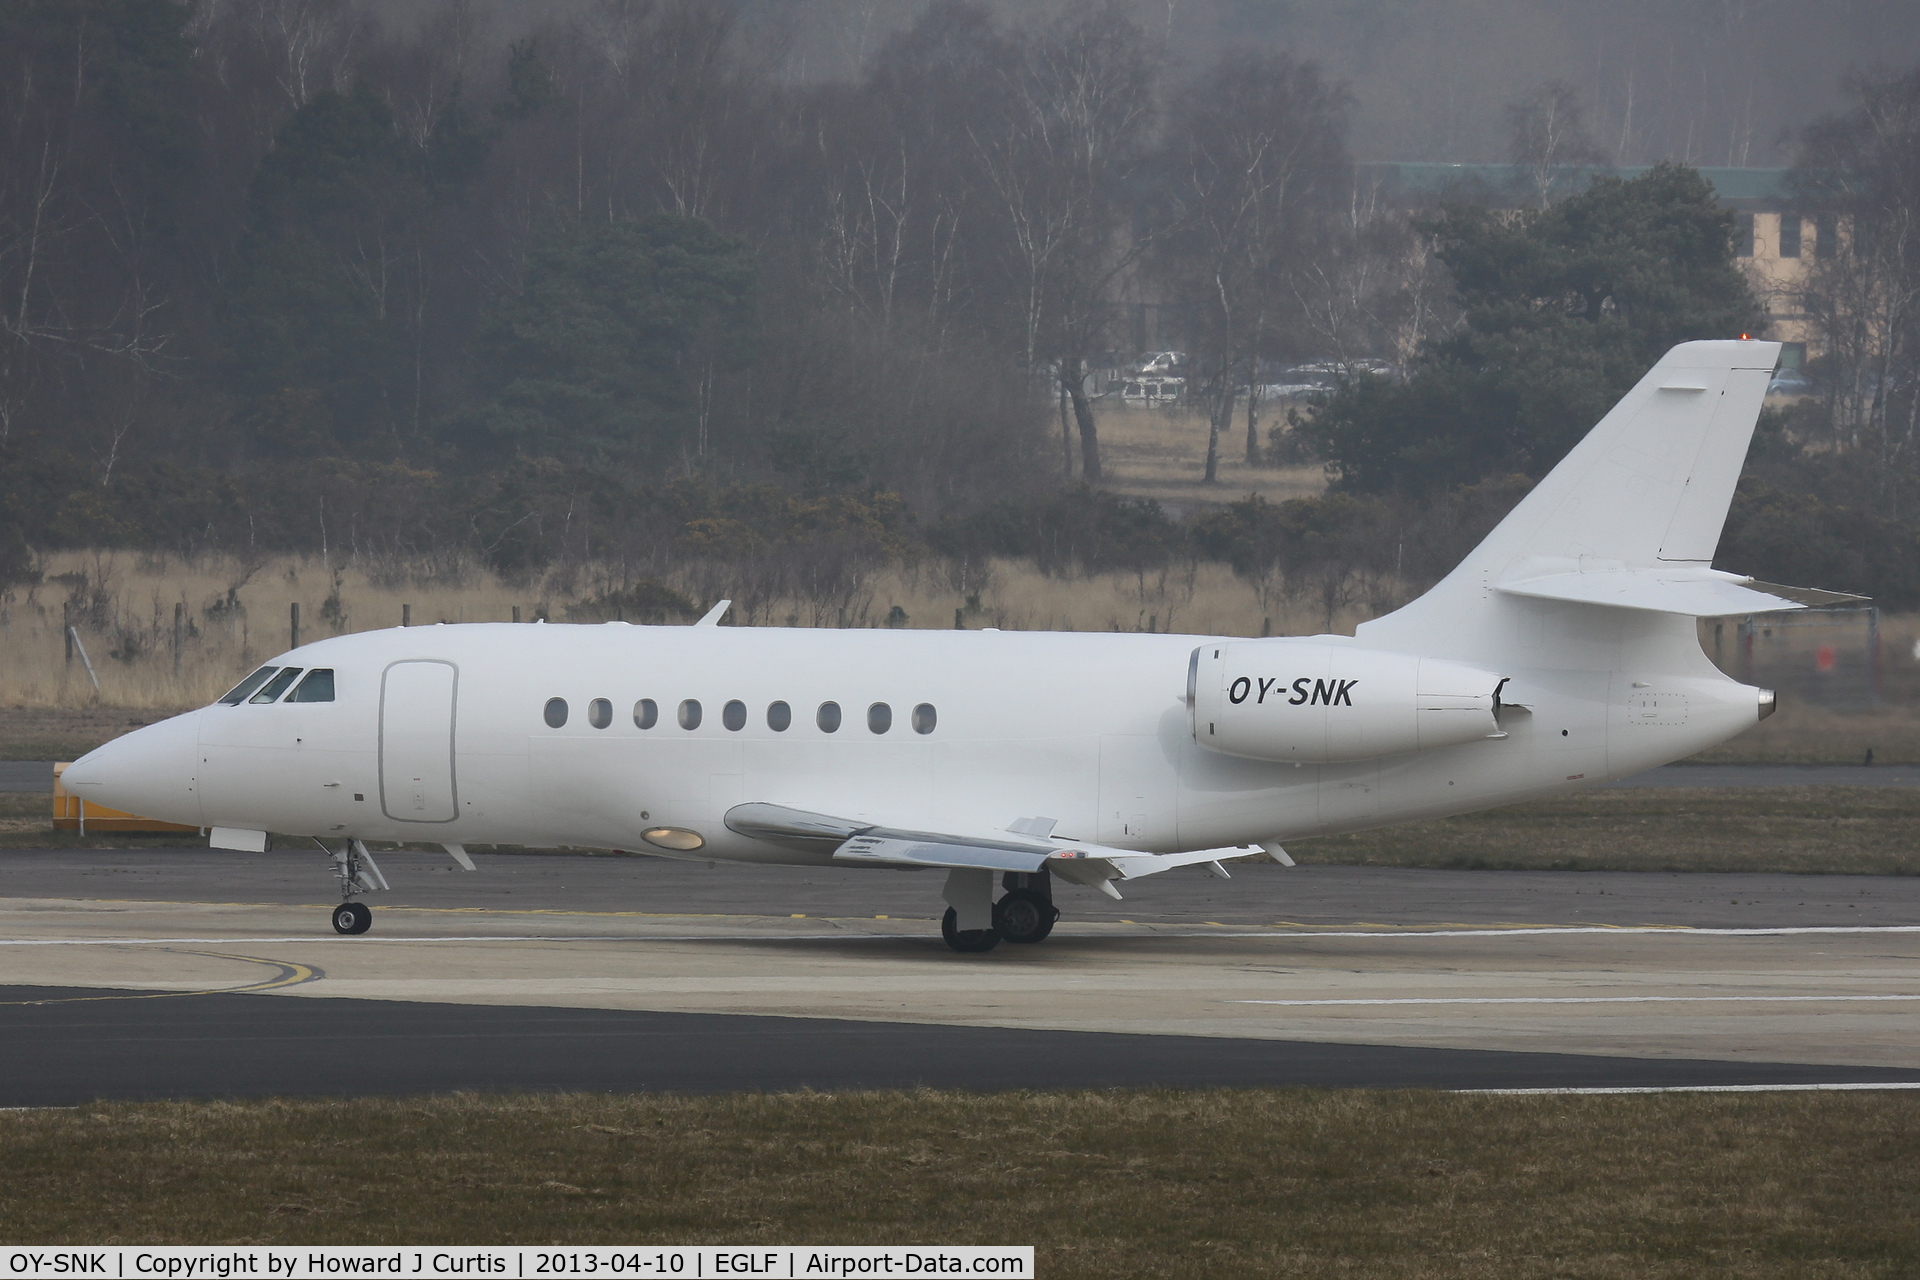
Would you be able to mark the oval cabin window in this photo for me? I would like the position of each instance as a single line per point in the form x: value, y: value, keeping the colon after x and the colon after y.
x: 646, y: 713
x: 879, y: 717
x: 556, y: 712
x: 924, y: 718
x: 779, y: 716
x: 828, y: 717
x: 734, y: 715
x: 599, y: 713
x: 690, y: 714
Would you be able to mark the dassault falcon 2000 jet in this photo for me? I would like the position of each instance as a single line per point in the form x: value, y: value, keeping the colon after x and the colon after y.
x: 1562, y: 652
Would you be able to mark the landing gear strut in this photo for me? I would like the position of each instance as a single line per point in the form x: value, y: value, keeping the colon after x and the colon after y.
x: 966, y: 941
x: 358, y: 873
x: 1026, y: 913
x: 975, y: 923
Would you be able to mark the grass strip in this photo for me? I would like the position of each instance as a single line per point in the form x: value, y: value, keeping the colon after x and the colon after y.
x: 1801, y: 830
x: 1811, y: 830
x: 1216, y: 1183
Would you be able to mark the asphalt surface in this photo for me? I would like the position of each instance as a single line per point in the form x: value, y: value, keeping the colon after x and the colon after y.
x: 65, y: 1046
x: 26, y: 775
x: 1257, y: 894
x: 1775, y: 775
x: 37, y: 775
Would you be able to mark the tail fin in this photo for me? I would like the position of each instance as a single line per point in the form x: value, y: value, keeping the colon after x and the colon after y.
x: 1648, y: 490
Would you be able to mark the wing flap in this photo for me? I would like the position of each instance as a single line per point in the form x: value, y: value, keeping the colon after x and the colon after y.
x: 854, y: 843
x: 910, y: 849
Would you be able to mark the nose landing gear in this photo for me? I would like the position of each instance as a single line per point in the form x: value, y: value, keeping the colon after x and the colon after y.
x: 358, y: 873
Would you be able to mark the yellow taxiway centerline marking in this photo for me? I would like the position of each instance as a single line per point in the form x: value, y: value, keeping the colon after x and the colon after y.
x: 291, y: 975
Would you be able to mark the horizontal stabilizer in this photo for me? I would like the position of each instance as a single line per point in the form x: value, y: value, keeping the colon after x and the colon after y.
x: 1696, y: 592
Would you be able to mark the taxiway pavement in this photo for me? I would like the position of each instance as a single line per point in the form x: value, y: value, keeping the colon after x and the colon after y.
x: 135, y: 972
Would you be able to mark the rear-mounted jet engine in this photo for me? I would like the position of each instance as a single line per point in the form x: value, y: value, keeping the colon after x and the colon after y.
x: 1303, y: 702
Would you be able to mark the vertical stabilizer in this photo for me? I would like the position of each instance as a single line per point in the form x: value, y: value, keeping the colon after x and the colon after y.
x: 1648, y: 488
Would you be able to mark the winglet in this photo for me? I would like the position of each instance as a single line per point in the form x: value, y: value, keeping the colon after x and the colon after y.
x: 713, y: 615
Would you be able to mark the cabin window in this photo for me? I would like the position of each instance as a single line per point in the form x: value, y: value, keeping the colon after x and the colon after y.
x: 599, y: 713
x: 924, y: 718
x: 276, y: 686
x: 556, y: 712
x: 317, y: 687
x: 779, y: 716
x: 828, y: 717
x: 238, y: 694
x: 734, y: 715
x: 690, y: 714
x: 646, y: 713
x: 879, y: 717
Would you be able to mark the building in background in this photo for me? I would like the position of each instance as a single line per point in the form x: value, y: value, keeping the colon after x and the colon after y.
x: 1772, y: 240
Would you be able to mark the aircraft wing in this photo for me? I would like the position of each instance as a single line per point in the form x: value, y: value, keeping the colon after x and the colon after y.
x: 1026, y: 849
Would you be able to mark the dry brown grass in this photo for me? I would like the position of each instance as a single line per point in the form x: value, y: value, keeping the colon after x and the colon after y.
x: 131, y: 647
x: 1121, y: 1183
x: 1160, y: 453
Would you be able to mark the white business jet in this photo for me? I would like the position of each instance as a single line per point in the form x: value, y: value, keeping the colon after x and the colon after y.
x: 1561, y: 653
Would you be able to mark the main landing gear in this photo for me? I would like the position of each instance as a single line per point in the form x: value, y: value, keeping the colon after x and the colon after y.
x: 975, y: 923
x: 358, y: 873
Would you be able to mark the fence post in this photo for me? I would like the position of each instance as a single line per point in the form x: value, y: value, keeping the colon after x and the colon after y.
x: 406, y: 615
x: 293, y: 626
x: 516, y: 613
x: 179, y: 633
x: 1873, y: 654
x: 66, y: 628
x: 959, y: 619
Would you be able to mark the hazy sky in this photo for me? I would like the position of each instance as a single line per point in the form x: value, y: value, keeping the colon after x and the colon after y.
x: 1705, y: 81
x: 1710, y: 82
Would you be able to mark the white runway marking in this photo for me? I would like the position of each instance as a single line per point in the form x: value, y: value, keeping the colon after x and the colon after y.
x: 1707, y: 1088
x: 1575, y: 1000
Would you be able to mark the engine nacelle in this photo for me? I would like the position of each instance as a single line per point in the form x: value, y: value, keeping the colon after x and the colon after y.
x: 1304, y: 702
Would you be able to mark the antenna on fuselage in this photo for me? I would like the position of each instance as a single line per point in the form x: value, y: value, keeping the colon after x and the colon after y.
x: 713, y: 615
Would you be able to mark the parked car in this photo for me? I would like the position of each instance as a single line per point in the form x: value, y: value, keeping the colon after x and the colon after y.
x: 1162, y: 363
x: 1143, y: 393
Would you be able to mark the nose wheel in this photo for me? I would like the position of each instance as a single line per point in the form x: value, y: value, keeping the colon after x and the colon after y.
x: 357, y: 872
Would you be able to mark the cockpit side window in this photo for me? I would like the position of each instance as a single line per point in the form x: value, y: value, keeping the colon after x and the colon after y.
x: 317, y: 687
x: 238, y: 694
x: 276, y: 686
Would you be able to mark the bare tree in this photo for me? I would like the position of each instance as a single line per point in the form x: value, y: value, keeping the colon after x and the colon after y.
x: 1547, y: 134
x: 1859, y: 178
x: 1077, y: 106
x: 1255, y: 160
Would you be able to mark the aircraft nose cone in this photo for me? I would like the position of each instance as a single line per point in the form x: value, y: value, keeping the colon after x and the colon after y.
x: 149, y: 772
